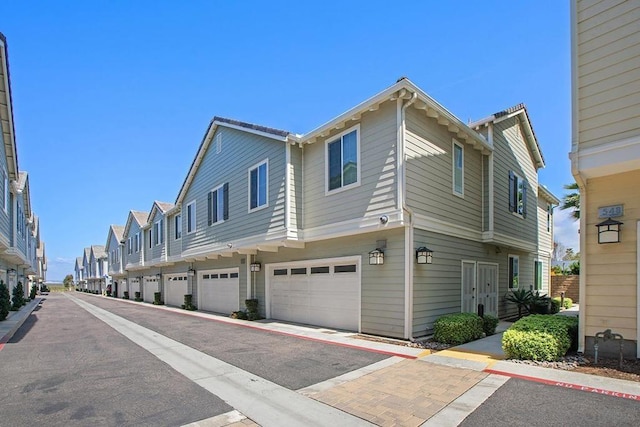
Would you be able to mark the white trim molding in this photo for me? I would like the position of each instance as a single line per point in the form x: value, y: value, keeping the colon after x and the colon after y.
x: 608, y: 159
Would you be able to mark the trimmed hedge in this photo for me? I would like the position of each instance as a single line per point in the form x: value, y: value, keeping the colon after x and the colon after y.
x: 568, y: 302
x: 489, y: 324
x: 5, y: 301
x: 157, y: 298
x: 540, y: 337
x: 458, y: 328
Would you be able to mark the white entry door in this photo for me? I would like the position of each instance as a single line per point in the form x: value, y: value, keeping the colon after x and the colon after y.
x: 488, y: 287
x: 469, y: 300
x: 219, y: 290
x: 175, y: 288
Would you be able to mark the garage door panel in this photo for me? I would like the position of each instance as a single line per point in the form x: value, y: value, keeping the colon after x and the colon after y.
x: 220, y: 292
x: 175, y: 288
x: 324, y: 295
x: 150, y: 287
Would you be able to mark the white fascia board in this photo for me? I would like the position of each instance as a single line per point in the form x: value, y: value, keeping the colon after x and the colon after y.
x: 249, y: 130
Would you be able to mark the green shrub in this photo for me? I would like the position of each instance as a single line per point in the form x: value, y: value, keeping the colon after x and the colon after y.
x: 188, y: 303
x: 33, y: 292
x: 5, y: 301
x: 489, y: 324
x: 555, y: 305
x: 137, y: 297
x: 18, y: 296
x: 252, y: 309
x: 239, y: 315
x: 157, y: 298
x: 540, y: 337
x: 125, y: 295
x: 458, y: 328
x: 568, y: 302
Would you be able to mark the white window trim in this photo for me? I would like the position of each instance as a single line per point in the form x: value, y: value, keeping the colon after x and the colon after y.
x: 178, y: 226
x: 221, y: 187
x: 329, y: 140
x: 519, y: 180
x: 535, y: 273
x: 509, y: 278
x: 455, y: 144
x: 156, y: 232
x: 266, y: 205
x: 193, y: 215
x: 138, y: 241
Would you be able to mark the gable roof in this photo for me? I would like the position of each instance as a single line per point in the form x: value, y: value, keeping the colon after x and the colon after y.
x: 162, y: 207
x: 6, y: 111
x: 87, y: 255
x: 520, y: 111
x: 116, y: 231
x: 139, y: 217
x: 79, y: 265
x: 277, y: 134
x: 98, y: 251
x: 547, y: 195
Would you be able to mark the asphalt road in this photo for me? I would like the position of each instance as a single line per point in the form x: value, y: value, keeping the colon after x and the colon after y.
x: 288, y: 361
x: 525, y: 403
x: 65, y: 367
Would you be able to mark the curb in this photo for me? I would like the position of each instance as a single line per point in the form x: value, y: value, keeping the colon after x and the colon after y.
x: 19, y: 317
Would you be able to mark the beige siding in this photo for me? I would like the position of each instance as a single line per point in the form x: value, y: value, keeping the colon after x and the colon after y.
x: 611, y: 285
x: 608, y: 60
x: 377, y: 190
x: 430, y: 173
x: 382, y: 293
x: 512, y: 154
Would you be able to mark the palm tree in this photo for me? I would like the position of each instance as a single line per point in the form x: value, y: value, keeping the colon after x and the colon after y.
x: 572, y: 200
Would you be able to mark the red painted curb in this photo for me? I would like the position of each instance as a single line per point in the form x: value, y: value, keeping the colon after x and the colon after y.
x: 290, y: 334
x: 618, y: 394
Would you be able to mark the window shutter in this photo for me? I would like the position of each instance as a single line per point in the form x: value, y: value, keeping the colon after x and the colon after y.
x: 225, y: 190
x: 214, y: 208
x: 524, y: 199
x: 209, y: 213
x: 512, y: 192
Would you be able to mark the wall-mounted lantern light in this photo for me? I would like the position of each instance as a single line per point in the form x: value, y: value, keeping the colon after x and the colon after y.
x: 254, y: 266
x: 191, y: 272
x: 376, y: 257
x: 424, y: 255
x: 609, y: 231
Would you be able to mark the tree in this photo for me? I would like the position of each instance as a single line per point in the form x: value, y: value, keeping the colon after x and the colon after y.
x: 572, y: 200
x: 559, y: 251
x: 68, y: 281
x: 5, y: 301
x: 569, y: 255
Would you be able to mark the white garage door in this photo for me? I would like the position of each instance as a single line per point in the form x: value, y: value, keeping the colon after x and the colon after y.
x: 175, y: 288
x: 219, y: 290
x: 134, y: 286
x: 150, y: 287
x: 122, y: 286
x: 318, y: 292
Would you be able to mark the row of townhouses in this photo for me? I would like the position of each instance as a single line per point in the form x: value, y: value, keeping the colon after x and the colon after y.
x: 379, y: 221
x: 22, y: 250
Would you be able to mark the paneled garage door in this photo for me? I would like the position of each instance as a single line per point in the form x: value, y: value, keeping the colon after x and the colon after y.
x: 175, y: 288
x: 316, y: 292
x: 150, y: 287
x: 134, y: 286
x: 219, y: 290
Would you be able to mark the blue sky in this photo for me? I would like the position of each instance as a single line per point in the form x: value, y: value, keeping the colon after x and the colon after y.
x: 112, y: 98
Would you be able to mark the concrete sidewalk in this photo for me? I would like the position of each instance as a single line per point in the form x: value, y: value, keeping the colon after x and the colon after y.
x: 15, y: 319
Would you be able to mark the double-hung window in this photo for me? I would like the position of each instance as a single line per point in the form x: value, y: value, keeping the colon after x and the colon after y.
x: 549, y: 216
x: 458, y: 169
x: 129, y: 246
x: 191, y: 217
x: 514, y: 271
x: 258, y: 186
x: 148, y: 233
x: 137, y: 242
x: 177, y: 223
x: 343, y: 158
x: 517, y: 194
x: 156, y: 233
x: 218, y: 204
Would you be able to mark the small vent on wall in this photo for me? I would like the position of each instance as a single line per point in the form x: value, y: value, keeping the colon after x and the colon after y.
x: 218, y: 143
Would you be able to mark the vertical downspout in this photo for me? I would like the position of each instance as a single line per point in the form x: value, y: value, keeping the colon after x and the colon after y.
x: 491, y: 181
x: 408, y: 230
x: 287, y: 193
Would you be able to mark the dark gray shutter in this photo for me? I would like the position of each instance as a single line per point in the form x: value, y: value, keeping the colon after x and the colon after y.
x: 209, y: 213
x: 225, y: 189
x: 513, y: 194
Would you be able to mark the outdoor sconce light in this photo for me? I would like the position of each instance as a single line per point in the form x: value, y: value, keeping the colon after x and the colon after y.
x: 609, y: 231
x: 191, y: 272
x: 254, y: 266
x: 424, y: 255
x: 376, y: 257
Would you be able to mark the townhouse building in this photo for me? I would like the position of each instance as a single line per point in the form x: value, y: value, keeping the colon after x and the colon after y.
x: 605, y: 161
x: 378, y: 221
x: 20, y: 239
